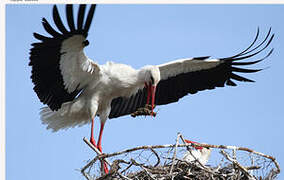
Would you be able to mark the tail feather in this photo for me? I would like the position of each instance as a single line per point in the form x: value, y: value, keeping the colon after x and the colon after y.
x: 64, y: 118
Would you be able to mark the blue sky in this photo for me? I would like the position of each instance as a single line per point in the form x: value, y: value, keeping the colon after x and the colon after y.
x: 249, y: 115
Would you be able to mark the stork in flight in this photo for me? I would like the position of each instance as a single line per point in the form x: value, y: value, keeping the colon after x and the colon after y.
x: 76, y: 89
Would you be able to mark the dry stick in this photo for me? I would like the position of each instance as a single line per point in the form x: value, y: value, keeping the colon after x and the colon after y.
x: 149, y: 174
x: 235, y: 162
x: 88, y: 165
x: 252, y: 167
x: 122, y: 176
x: 94, y: 160
x: 85, y: 175
x: 129, y: 166
x: 174, y: 156
x: 135, y: 163
x: 96, y: 150
x: 157, y: 156
x: 142, y: 147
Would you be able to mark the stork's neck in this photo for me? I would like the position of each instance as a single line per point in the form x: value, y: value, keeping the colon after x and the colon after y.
x: 143, y: 74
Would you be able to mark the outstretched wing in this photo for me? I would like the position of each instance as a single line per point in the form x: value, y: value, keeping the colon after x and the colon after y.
x: 60, y: 69
x: 181, y: 77
x: 188, y: 76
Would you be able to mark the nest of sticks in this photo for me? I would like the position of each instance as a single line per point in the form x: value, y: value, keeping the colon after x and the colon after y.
x: 165, y: 162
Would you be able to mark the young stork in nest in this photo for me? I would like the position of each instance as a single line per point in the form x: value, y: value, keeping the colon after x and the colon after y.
x: 76, y: 89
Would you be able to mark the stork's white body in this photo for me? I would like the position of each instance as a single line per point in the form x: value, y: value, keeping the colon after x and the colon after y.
x: 112, y: 80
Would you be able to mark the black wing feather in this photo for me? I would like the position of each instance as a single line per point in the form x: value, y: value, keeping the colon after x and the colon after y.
x: 70, y: 17
x: 81, y: 14
x: 45, y: 57
x: 89, y: 18
x: 58, y: 21
x: 123, y: 106
x: 214, y: 77
x: 174, y: 88
x: 49, y: 29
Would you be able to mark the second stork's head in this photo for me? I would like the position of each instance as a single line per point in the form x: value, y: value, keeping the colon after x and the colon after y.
x: 151, y: 78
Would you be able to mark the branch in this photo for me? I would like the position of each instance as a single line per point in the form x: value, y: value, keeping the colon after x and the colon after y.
x: 96, y: 150
x: 235, y: 162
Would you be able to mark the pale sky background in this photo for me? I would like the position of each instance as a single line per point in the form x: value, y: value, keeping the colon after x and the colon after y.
x: 249, y: 115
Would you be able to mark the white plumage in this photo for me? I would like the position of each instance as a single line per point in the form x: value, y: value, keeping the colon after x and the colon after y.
x: 202, y: 155
x: 111, y: 81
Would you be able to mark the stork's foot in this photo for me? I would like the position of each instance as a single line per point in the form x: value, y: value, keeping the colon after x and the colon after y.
x: 103, y: 163
x: 104, y: 167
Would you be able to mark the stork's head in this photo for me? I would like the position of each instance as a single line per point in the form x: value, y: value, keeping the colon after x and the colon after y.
x: 193, y: 142
x: 152, y: 77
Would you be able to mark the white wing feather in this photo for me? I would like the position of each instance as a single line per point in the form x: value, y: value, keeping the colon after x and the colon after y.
x: 181, y: 66
x: 76, y: 68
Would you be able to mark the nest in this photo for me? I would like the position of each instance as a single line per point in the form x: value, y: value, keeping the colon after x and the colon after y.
x: 167, y: 162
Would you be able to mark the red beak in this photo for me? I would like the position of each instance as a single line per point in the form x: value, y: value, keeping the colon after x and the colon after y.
x: 151, y: 90
x: 190, y: 142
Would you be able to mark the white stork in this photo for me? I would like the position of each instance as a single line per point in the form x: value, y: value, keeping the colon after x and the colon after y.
x: 201, y: 154
x: 76, y: 89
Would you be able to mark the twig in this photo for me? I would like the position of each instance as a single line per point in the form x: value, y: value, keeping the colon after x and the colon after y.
x: 89, y: 164
x: 129, y: 166
x: 96, y: 150
x: 141, y: 147
x: 122, y: 176
x: 235, y: 162
x: 252, y: 167
x: 157, y: 156
x: 94, y: 160
x: 149, y: 174
x: 174, y: 156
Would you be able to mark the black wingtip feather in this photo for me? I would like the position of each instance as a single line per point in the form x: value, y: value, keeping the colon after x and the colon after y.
x: 243, y: 70
x: 40, y: 37
x: 81, y: 14
x: 230, y: 83
x: 248, y: 52
x: 70, y: 17
x: 246, y: 63
x: 49, y: 29
x: 240, y: 78
x: 58, y: 21
x: 89, y: 18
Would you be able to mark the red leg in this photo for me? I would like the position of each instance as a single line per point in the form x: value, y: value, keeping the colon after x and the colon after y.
x: 99, y: 146
x: 92, y: 139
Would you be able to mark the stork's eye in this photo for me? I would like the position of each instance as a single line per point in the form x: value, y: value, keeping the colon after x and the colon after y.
x: 152, y: 79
